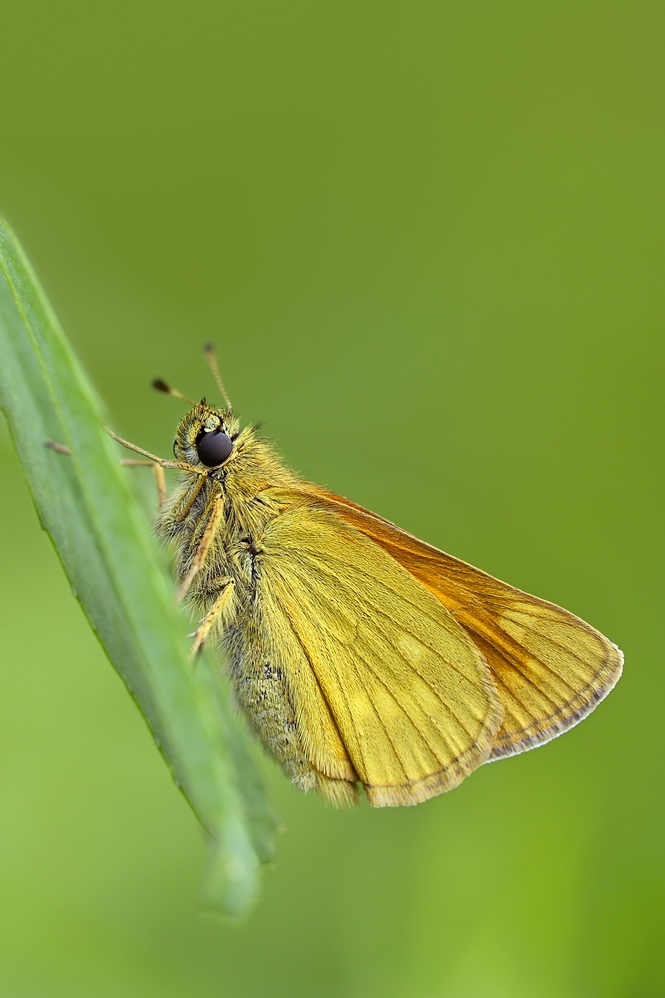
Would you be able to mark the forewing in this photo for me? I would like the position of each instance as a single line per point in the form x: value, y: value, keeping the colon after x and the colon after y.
x: 409, y: 692
x: 550, y: 668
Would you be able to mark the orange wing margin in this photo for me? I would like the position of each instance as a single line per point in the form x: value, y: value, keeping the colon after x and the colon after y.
x: 550, y: 668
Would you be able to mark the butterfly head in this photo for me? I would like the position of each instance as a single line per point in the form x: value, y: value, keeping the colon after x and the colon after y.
x: 206, y: 436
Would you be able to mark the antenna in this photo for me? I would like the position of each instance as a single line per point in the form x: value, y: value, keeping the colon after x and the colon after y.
x: 211, y: 357
x: 161, y: 386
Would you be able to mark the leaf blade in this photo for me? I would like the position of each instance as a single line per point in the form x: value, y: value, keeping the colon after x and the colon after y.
x: 85, y: 505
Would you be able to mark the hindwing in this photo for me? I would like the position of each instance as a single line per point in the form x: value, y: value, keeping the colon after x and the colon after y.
x: 408, y: 690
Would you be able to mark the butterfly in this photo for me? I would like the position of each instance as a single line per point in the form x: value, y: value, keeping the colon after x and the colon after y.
x: 361, y: 656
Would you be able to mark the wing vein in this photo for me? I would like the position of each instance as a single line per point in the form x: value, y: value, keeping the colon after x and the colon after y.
x: 319, y: 562
x: 383, y: 725
x: 411, y: 718
x: 426, y: 643
x: 565, y: 648
x: 498, y: 647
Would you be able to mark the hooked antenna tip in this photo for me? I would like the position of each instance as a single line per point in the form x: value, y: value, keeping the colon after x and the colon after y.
x: 163, y: 386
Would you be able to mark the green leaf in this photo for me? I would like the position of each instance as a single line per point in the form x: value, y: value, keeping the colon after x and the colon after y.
x: 85, y: 504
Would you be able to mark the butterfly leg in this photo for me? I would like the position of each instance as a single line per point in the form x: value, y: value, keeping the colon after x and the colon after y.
x: 216, y: 612
x: 216, y: 512
x: 163, y: 461
x: 179, y: 511
x: 160, y: 478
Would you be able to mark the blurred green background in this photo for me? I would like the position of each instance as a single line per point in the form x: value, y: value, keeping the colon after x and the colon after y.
x: 428, y: 241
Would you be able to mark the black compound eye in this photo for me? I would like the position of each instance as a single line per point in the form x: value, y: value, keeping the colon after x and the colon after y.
x: 213, y: 448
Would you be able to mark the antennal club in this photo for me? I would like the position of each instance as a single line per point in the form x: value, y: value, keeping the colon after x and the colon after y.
x: 161, y: 386
x: 211, y: 357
